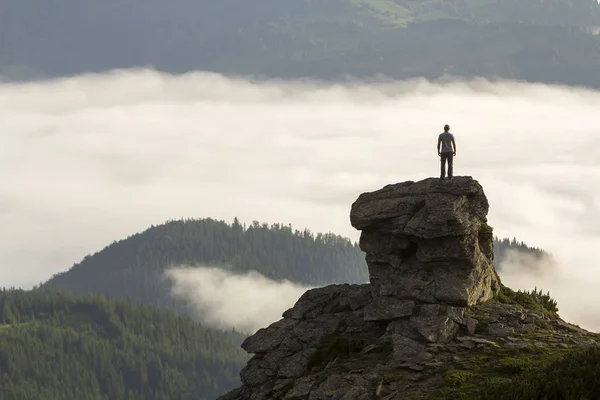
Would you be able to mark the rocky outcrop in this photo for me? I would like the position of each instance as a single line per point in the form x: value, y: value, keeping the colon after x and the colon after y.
x: 428, y: 241
x: 429, y: 252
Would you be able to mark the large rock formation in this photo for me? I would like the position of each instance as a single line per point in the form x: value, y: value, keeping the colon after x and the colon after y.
x: 429, y: 252
x: 428, y: 241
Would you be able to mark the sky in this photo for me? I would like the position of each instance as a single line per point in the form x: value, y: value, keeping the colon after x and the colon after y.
x: 91, y: 159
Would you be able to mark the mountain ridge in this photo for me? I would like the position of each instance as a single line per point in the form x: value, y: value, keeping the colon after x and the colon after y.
x: 434, y: 321
x: 134, y: 267
x: 533, y: 40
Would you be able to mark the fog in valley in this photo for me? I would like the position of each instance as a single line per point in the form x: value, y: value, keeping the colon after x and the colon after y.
x: 244, y: 302
x: 91, y: 159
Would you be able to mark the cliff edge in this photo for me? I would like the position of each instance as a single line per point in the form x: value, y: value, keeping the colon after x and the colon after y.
x: 434, y: 303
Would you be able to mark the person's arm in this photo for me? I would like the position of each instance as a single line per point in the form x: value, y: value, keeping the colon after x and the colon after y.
x: 438, y: 145
x: 454, y: 145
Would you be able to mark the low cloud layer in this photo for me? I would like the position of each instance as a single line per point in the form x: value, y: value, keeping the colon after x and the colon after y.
x: 244, y: 302
x: 94, y: 158
x: 577, y: 298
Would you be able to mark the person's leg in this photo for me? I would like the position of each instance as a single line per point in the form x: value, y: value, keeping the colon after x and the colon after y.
x: 450, y: 165
x: 443, y: 166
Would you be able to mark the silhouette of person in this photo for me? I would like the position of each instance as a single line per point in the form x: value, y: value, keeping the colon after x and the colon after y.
x: 446, y: 148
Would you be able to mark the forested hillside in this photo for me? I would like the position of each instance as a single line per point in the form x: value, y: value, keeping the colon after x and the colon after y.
x: 134, y: 267
x: 59, y: 346
x: 534, y: 255
x: 537, y: 40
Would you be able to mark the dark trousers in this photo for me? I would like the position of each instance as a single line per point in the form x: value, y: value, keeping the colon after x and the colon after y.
x: 446, y: 157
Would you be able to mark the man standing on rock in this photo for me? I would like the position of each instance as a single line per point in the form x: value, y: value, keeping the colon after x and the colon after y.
x: 446, y: 151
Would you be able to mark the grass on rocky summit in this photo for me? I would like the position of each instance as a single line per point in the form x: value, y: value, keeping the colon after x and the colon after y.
x: 529, y: 300
x: 534, y: 300
x: 525, y: 375
x: 531, y: 373
x: 491, y: 368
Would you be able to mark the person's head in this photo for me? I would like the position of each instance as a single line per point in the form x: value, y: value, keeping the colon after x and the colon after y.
x: 446, y: 128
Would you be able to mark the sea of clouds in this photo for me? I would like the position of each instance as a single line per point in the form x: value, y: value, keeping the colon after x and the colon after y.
x: 94, y: 158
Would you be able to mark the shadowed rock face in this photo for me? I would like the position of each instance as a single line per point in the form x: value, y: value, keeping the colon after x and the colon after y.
x: 429, y: 253
x: 428, y: 241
